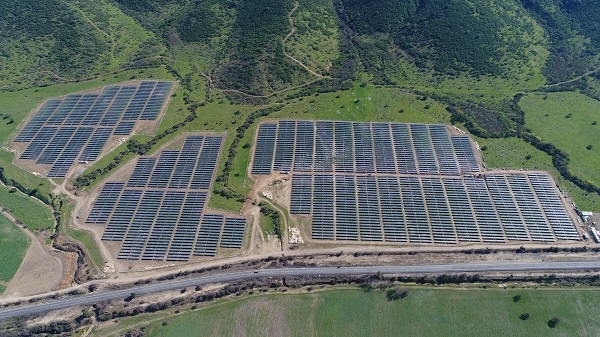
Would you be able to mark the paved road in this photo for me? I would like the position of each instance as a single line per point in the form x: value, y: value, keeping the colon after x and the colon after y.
x: 227, y: 277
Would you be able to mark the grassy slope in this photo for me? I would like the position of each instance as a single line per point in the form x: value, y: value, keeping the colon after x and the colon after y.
x: 425, y: 312
x: 315, y: 41
x: 13, y: 245
x: 546, y: 115
x: 33, y: 214
x: 90, y: 38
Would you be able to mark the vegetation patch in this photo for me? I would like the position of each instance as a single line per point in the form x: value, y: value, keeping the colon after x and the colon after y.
x: 13, y: 246
x: 32, y: 213
x: 567, y: 120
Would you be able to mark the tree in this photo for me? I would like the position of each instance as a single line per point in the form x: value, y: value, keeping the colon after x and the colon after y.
x: 396, y: 294
x: 589, y: 147
x: 553, y: 322
x: 524, y: 316
x: 517, y: 298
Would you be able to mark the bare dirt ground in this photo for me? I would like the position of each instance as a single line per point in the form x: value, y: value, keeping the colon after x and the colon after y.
x: 41, y: 271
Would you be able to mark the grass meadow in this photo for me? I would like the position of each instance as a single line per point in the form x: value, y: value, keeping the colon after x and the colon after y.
x: 568, y: 120
x: 424, y: 312
x: 13, y: 246
x: 33, y: 214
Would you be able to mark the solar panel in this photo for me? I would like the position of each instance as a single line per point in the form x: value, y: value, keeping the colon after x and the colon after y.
x: 157, y: 214
x: 50, y: 130
x: 208, y: 236
x: 263, y: 153
x: 233, y: 233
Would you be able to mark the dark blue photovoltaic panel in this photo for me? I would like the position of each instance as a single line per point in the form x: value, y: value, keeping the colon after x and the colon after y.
x: 142, y: 171
x: 141, y: 226
x: 233, y: 233
x: 187, y: 162
x: 164, y: 226
x: 343, y: 147
x: 397, y: 182
x: 156, y: 101
x: 323, y: 208
x: 122, y: 215
x: 39, y: 143
x: 50, y: 130
x: 305, y: 143
x: 207, y: 162
x: 56, y: 145
x: 124, y: 128
x: 38, y: 121
x: 187, y: 227
x: 158, y: 214
x: 263, y: 151
x: 208, y: 236
x: 284, y: 153
x: 96, y: 144
x: 104, y: 205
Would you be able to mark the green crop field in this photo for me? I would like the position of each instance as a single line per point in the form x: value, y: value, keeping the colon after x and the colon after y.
x: 424, y: 312
x: 13, y: 245
x: 568, y: 120
x: 33, y: 214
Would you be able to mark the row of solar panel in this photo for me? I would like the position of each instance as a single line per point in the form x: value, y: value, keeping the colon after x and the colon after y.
x: 192, y: 167
x: 163, y: 224
x: 495, y: 208
x: 107, y: 109
x: 62, y: 129
x: 326, y: 146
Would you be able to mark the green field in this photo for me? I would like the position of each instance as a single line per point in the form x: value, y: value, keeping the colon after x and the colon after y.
x: 13, y: 246
x: 33, y: 214
x: 567, y: 120
x: 424, y: 312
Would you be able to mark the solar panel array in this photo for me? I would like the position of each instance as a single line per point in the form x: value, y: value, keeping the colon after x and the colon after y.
x: 493, y: 208
x: 347, y: 147
x: 78, y: 126
x: 391, y: 182
x: 159, y: 214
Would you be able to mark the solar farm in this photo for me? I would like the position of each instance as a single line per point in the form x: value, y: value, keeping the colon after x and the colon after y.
x: 406, y: 183
x: 159, y: 213
x: 77, y: 127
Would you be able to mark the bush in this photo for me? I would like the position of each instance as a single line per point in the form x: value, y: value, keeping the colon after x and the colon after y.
x: 553, y: 322
x: 524, y: 316
x: 396, y: 294
x: 517, y: 298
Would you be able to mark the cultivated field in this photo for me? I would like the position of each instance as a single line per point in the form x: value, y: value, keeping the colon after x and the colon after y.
x: 13, y: 245
x: 424, y: 312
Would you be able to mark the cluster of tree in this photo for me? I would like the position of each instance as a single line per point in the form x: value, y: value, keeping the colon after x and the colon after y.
x: 239, y: 135
x: 267, y: 210
x: 563, y: 20
x: 72, y: 48
x: 452, y: 37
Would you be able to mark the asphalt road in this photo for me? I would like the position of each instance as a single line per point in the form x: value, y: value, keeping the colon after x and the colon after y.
x: 227, y: 277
